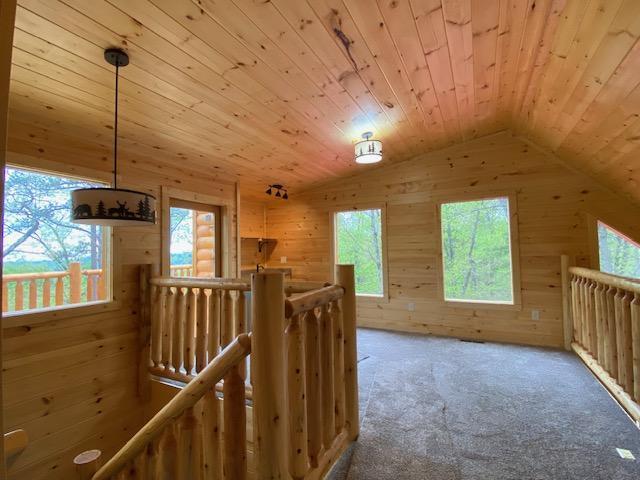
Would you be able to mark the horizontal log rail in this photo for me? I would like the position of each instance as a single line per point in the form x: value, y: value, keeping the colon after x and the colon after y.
x: 313, y: 299
x: 604, y: 324
x: 182, y: 438
x: 51, y: 289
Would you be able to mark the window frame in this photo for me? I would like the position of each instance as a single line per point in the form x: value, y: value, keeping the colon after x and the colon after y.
x: 181, y: 199
x: 514, y: 247
x: 594, y: 244
x: 363, y: 297
x: 111, y: 276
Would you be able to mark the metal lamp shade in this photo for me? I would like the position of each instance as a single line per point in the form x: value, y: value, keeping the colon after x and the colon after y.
x: 112, y: 207
x: 368, y: 151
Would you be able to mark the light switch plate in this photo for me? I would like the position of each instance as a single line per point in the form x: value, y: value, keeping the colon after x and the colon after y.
x: 411, y: 307
x: 283, y: 259
x: 535, y: 315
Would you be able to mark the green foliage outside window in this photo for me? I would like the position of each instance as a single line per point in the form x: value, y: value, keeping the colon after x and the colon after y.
x: 618, y: 254
x: 476, y: 251
x: 181, y: 231
x: 359, y: 242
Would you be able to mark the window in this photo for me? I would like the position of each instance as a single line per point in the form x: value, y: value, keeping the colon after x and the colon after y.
x: 49, y: 261
x: 358, y: 241
x: 618, y: 254
x: 194, y: 245
x: 476, y: 251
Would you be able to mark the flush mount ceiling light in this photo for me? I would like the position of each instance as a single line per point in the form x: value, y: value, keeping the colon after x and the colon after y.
x: 113, y: 206
x: 367, y: 150
x: 281, y: 192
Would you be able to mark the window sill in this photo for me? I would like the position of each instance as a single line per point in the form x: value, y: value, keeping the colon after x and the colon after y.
x: 31, y: 317
x: 480, y: 305
x: 371, y: 298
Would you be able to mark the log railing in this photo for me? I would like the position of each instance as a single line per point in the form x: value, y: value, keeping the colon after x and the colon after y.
x: 304, y: 396
x: 605, y: 328
x: 181, y: 270
x: 191, y: 320
x: 48, y: 289
x: 304, y: 371
x: 185, y: 440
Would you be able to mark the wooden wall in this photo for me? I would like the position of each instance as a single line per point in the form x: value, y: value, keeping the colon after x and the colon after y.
x: 552, y: 201
x: 252, y: 225
x: 70, y: 382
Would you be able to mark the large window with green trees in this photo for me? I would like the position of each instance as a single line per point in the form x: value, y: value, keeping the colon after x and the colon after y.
x: 49, y: 261
x: 476, y: 251
x: 618, y: 254
x: 358, y: 241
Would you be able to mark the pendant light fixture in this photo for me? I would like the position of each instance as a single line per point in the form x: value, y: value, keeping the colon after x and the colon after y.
x: 367, y: 150
x: 113, y: 206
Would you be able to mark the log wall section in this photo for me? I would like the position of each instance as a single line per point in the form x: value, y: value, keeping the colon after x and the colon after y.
x: 70, y: 382
x: 554, y: 205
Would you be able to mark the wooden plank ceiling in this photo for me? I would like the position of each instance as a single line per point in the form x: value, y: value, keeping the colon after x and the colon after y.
x: 277, y: 90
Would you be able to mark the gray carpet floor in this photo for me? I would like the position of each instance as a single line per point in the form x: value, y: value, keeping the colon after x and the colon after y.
x: 443, y: 409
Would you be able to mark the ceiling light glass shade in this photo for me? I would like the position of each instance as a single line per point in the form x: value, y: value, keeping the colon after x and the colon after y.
x: 368, y: 151
x: 112, y: 207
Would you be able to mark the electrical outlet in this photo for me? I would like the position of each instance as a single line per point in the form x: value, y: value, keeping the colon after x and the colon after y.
x: 283, y: 259
x: 411, y: 307
x: 535, y: 315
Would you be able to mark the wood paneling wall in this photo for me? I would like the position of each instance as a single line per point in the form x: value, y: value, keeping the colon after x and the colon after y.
x: 552, y: 202
x: 70, y: 382
x: 252, y: 225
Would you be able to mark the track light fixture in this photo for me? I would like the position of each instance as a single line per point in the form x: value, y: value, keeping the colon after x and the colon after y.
x: 281, y: 192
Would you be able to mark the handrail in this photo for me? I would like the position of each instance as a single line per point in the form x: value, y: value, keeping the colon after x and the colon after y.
x: 207, y: 283
x: 14, y: 277
x: 309, y: 300
x: 185, y: 399
x: 602, y: 277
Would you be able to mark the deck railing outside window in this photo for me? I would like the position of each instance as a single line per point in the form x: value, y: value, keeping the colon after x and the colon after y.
x: 28, y: 291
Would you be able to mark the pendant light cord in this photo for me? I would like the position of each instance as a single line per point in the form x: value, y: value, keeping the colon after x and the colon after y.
x: 115, y: 128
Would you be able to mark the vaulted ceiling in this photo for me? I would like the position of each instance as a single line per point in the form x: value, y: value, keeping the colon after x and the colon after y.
x: 277, y: 90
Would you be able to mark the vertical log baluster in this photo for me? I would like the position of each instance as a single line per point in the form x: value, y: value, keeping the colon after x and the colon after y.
x: 46, y: 293
x: 296, y: 399
x: 179, y: 325
x: 578, y: 310
x: 617, y: 299
x: 60, y: 291
x: 102, y: 290
x: 312, y: 380
x: 91, y: 287
x: 169, y: 307
x: 140, y: 466
x: 213, y: 335
x: 584, y: 322
x: 212, y: 435
x: 19, y: 296
x: 611, y: 334
x: 33, y: 294
x: 201, y: 330
x: 75, y: 282
x: 626, y: 341
x: 591, y: 317
x: 240, y: 327
x: 167, y: 454
x: 226, y: 328
x: 635, y: 341
x: 338, y: 371
x: 598, y: 301
x: 326, y: 377
x: 186, y: 431
x: 156, y: 324
x: 235, y: 425
x: 575, y: 309
x: 190, y: 332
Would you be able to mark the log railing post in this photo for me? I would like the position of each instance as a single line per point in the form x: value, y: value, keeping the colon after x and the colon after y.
x: 296, y: 398
x: 312, y: 385
x: 268, y: 377
x: 635, y: 339
x: 346, y: 279
x: 326, y: 377
x: 567, y: 323
x: 75, y: 282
